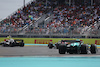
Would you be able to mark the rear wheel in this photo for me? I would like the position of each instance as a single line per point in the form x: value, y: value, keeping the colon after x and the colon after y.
x: 4, y: 45
x: 93, y: 48
x: 62, y: 49
x: 84, y: 49
x: 22, y: 45
x: 50, y: 45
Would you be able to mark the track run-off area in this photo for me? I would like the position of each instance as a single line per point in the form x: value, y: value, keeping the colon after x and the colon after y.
x: 37, y: 50
x: 42, y: 56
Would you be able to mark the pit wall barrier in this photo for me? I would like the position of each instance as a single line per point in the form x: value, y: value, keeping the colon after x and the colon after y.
x: 54, y: 40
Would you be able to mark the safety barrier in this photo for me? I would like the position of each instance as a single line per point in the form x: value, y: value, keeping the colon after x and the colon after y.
x: 54, y: 40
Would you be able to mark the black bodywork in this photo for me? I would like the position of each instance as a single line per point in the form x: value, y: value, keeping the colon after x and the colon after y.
x: 18, y: 42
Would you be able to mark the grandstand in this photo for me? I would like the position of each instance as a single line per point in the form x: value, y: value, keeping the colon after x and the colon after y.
x: 54, y: 18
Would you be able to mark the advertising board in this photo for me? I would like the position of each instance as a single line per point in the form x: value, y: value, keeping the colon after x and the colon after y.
x: 54, y: 40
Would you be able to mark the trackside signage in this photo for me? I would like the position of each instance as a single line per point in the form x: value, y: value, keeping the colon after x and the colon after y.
x: 55, y: 40
x: 42, y: 41
x: 97, y: 42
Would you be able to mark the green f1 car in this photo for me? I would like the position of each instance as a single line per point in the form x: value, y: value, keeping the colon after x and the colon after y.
x: 76, y: 47
x: 73, y: 47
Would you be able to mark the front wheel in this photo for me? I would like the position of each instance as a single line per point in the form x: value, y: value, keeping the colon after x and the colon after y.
x: 84, y: 49
x: 62, y: 49
x: 93, y: 48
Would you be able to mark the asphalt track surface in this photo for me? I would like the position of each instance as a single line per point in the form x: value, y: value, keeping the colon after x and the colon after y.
x: 38, y: 51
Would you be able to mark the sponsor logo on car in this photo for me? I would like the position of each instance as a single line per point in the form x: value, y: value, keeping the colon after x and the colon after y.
x: 42, y: 41
x: 97, y: 42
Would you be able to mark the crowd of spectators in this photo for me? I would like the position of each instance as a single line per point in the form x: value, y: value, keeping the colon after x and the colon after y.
x: 77, y: 19
x: 26, y: 15
x: 74, y: 19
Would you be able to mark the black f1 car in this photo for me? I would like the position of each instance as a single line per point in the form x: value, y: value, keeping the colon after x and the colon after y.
x: 12, y: 43
x: 56, y: 45
x: 74, y: 47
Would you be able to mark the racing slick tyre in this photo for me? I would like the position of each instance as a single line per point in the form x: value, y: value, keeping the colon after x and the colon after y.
x: 4, y: 45
x: 84, y: 49
x: 62, y: 49
x: 22, y: 45
x: 50, y: 45
x: 93, y: 48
